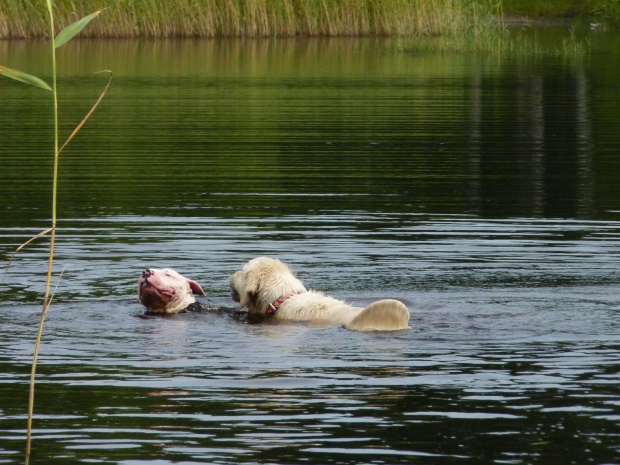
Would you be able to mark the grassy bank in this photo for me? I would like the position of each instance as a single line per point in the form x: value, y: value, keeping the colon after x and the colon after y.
x: 601, y: 9
x: 256, y: 18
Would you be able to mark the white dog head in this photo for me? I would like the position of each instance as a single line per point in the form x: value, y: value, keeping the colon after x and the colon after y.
x: 261, y: 282
x: 166, y: 291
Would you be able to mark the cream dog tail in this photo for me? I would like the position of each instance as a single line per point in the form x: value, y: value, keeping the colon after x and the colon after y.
x: 384, y: 315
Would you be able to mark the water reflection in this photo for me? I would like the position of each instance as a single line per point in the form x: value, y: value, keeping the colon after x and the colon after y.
x: 292, y: 126
x: 482, y: 191
x: 544, y: 147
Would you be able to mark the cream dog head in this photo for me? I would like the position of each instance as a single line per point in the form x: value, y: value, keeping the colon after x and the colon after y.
x: 261, y: 282
x: 166, y: 291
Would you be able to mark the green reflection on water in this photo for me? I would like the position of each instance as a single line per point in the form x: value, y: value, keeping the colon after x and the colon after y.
x: 254, y: 127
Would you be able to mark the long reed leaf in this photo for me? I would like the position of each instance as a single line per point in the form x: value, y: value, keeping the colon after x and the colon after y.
x: 62, y: 272
x: 32, y: 239
x: 79, y: 126
x: 72, y: 30
x: 24, y: 77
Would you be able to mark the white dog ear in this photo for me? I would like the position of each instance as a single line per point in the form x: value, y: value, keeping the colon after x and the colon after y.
x: 195, y: 287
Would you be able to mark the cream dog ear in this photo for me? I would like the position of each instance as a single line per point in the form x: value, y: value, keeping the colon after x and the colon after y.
x: 250, y: 292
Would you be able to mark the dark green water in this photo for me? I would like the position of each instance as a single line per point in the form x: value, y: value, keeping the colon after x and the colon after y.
x: 483, y: 191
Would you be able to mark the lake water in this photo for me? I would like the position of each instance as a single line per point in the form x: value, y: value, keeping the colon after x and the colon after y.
x: 482, y: 191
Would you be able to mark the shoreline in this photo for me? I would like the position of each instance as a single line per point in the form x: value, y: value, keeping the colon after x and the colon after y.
x: 267, y: 18
x: 509, y: 22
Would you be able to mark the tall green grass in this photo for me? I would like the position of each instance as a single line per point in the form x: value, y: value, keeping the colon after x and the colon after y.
x: 501, y: 41
x: 606, y: 11
x: 552, y: 8
x: 486, y: 32
x: 252, y: 18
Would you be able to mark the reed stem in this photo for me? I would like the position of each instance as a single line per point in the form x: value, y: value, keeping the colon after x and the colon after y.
x: 47, y: 298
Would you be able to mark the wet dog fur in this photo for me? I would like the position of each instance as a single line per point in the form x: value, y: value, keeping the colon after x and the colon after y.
x: 268, y: 288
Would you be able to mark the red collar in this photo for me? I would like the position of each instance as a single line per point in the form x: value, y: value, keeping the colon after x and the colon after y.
x: 274, y: 306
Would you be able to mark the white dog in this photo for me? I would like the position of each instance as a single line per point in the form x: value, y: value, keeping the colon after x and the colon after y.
x: 268, y: 287
x: 166, y: 291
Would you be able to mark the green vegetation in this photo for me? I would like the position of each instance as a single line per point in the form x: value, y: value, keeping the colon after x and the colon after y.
x: 269, y: 18
x: 501, y: 40
x: 602, y: 9
x: 608, y: 11
x: 62, y: 38
x: 256, y: 18
x: 464, y: 19
x: 548, y: 9
x: 487, y: 30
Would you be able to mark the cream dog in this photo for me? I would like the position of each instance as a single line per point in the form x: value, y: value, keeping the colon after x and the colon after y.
x: 268, y: 288
x: 166, y: 291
